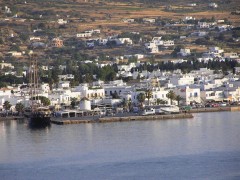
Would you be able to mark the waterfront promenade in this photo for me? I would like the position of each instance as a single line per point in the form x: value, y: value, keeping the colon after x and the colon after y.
x: 130, y: 116
x: 135, y: 117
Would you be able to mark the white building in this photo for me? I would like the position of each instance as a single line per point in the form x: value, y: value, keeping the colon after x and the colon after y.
x: 64, y: 84
x: 168, y: 43
x: 90, y: 92
x: 66, y: 77
x: 126, y: 67
x: 185, y: 52
x: 34, y: 38
x: 6, y: 65
x: 230, y: 55
x: 210, y: 95
x: 189, y: 94
x: 160, y: 93
x: 182, y: 80
x: 102, y: 42
x: 120, y: 89
x: 120, y: 41
x: 188, y: 18
x: 128, y: 20
x: 84, y: 35
x: 148, y: 20
x: 15, y: 53
x: 61, y: 21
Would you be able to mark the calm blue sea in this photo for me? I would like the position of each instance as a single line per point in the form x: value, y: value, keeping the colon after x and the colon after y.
x: 205, y: 147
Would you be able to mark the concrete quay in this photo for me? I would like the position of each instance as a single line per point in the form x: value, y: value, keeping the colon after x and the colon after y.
x: 93, y: 119
x: 215, y: 109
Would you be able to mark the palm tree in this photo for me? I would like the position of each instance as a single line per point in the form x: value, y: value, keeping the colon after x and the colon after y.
x: 141, y: 98
x: 125, y: 104
x: 19, y: 107
x: 178, y: 98
x: 148, y: 95
x: 171, y: 95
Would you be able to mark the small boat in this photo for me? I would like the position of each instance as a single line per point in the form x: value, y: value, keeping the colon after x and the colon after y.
x: 162, y: 109
x: 171, y: 109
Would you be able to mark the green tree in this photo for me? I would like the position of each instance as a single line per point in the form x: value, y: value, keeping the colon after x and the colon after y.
x: 44, y: 100
x: 171, y: 95
x: 176, y: 50
x: 15, y: 48
x: 141, y: 98
x: 7, y: 105
x: 178, y: 98
x: 19, y: 107
x: 124, y: 103
x: 73, y: 102
x: 3, y: 84
x: 1, y: 41
x: 24, y: 37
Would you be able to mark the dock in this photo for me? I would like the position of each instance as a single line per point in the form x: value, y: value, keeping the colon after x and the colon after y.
x: 107, y: 119
x: 214, y: 109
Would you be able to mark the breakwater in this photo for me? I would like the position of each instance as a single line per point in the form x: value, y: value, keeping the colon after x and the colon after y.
x: 63, y: 121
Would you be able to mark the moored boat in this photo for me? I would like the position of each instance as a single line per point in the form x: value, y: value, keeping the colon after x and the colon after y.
x: 40, y: 117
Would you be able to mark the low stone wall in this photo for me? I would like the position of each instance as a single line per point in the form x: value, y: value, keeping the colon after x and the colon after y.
x: 216, y: 109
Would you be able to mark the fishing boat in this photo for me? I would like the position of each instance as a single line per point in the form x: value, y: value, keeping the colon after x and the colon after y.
x: 162, y: 109
x: 39, y: 115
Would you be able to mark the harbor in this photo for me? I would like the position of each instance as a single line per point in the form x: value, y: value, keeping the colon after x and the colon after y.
x: 126, y: 117
x: 71, y: 117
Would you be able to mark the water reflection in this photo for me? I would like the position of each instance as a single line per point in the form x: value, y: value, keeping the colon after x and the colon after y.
x: 120, y: 141
x: 39, y: 127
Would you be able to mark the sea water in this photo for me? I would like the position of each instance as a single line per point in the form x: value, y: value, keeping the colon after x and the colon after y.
x: 204, y: 147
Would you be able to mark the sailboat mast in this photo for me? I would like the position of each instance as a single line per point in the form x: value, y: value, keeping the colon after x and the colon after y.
x: 31, y: 81
x: 37, y: 79
x: 34, y: 78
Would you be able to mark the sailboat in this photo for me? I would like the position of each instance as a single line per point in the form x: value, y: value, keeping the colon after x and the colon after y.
x: 39, y: 115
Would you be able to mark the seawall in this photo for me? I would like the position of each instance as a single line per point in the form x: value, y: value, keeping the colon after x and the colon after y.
x: 64, y: 121
x: 215, y: 109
